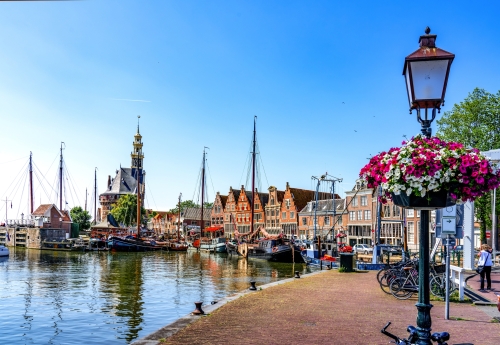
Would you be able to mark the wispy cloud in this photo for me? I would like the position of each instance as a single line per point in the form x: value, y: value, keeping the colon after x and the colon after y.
x: 130, y: 100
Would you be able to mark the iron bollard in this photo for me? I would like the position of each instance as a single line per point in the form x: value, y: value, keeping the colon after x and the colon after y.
x: 252, y: 286
x: 198, y: 310
x: 297, y: 274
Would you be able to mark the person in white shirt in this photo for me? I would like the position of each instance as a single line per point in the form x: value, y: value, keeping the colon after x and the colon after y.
x: 486, y: 261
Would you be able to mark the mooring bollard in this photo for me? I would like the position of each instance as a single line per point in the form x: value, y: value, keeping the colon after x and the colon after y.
x: 297, y: 274
x: 252, y: 286
x: 198, y: 310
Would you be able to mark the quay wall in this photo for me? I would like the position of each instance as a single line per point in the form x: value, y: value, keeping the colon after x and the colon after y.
x: 29, y: 237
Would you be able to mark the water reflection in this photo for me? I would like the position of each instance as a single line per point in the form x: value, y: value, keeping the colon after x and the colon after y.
x: 115, y: 298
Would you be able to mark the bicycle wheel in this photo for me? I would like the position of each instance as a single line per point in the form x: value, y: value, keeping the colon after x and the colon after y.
x: 380, y: 274
x: 387, y: 278
x: 437, y: 287
x: 398, y: 290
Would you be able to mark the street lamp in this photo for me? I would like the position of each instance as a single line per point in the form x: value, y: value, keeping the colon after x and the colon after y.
x: 426, y: 72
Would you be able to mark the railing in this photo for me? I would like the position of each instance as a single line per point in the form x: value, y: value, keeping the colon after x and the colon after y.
x: 20, y: 222
x: 458, y: 277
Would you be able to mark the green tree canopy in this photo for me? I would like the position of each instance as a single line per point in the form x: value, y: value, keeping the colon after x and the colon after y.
x: 80, y: 217
x: 125, y: 210
x: 184, y: 205
x: 475, y: 122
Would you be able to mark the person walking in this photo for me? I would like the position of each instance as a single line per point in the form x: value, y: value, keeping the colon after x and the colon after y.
x: 486, y: 262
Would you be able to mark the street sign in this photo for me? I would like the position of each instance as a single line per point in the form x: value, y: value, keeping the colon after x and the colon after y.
x: 449, y: 225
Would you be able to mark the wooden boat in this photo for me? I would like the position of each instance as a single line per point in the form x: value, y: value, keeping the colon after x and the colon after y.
x: 131, y: 244
x: 70, y: 244
x: 216, y: 245
x: 177, y: 245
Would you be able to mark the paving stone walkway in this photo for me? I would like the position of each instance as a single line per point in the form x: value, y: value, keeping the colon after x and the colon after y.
x: 329, y: 308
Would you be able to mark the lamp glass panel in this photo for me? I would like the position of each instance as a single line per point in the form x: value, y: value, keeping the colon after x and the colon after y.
x: 428, y: 78
x: 408, y: 85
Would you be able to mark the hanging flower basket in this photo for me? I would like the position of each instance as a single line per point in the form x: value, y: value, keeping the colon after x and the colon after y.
x: 431, y: 173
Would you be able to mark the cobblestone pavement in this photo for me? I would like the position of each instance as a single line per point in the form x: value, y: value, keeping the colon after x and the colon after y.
x: 330, y: 308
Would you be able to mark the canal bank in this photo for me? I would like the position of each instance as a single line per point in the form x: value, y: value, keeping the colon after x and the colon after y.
x: 326, y: 307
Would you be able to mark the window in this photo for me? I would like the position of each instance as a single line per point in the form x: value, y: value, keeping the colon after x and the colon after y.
x: 387, y: 211
x: 304, y: 221
x: 355, y: 201
x: 411, y: 232
x: 272, y: 201
x: 410, y: 213
x: 287, y: 203
x: 368, y: 215
x: 272, y: 223
x: 193, y: 222
x: 360, y: 215
x: 364, y: 200
x: 257, y: 206
x: 352, y: 215
x: 339, y: 220
x: 395, y: 211
x: 232, y: 207
x: 418, y: 213
x: 283, y: 215
x: 292, y: 215
x: 327, y: 220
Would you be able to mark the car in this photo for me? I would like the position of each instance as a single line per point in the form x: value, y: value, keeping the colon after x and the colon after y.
x: 362, y: 248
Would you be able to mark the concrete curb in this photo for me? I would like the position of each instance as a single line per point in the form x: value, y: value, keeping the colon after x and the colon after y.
x: 174, y: 327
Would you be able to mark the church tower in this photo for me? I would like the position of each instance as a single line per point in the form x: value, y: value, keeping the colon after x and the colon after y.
x: 137, y: 155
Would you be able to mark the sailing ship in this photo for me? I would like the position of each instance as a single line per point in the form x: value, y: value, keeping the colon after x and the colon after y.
x: 272, y: 247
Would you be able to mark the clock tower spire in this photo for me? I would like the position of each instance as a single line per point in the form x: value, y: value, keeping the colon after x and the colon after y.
x: 137, y: 155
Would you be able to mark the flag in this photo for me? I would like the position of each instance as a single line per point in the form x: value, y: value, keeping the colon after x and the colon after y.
x: 11, y: 204
x: 7, y: 232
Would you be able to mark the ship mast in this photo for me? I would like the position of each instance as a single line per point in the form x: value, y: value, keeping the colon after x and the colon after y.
x: 61, y: 178
x: 179, y: 220
x: 31, y: 184
x: 253, y: 176
x: 202, y: 223
x: 95, y: 196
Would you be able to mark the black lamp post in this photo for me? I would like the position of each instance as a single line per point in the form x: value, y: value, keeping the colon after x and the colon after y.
x: 426, y: 72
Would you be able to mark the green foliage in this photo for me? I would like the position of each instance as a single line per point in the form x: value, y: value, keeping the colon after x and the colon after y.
x: 208, y: 204
x: 152, y: 215
x: 125, y: 210
x: 184, y: 205
x: 80, y: 217
x: 342, y: 269
x: 474, y: 122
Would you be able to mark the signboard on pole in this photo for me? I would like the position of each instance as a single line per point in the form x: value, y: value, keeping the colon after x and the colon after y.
x: 450, y: 221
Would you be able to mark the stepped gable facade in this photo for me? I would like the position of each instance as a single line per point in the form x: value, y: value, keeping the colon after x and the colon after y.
x: 218, y: 210
x: 273, y: 206
x: 125, y: 180
x: 230, y: 212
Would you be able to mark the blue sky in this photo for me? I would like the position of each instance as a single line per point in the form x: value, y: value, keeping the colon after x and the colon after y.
x: 323, y: 77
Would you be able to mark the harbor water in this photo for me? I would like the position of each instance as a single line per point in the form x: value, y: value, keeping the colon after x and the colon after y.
x: 55, y: 297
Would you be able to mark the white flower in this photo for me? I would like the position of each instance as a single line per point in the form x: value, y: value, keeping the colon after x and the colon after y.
x: 408, y: 191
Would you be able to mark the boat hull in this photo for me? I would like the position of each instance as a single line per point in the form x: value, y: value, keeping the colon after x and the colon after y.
x: 217, y: 248
x: 130, y: 245
x: 310, y: 261
x: 4, y: 251
x: 285, y: 255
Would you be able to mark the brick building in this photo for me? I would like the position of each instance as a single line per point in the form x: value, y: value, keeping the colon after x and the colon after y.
x: 322, y: 211
x: 230, y: 212
x: 217, y: 216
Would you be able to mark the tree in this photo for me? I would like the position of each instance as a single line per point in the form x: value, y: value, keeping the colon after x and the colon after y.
x: 208, y: 204
x: 125, y: 210
x: 475, y: 122
x: 80, y: 217
x: 184, y: 205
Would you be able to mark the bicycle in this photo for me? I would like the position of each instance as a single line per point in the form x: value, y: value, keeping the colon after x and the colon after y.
x: 439, y: 337
x: 405, y: 287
